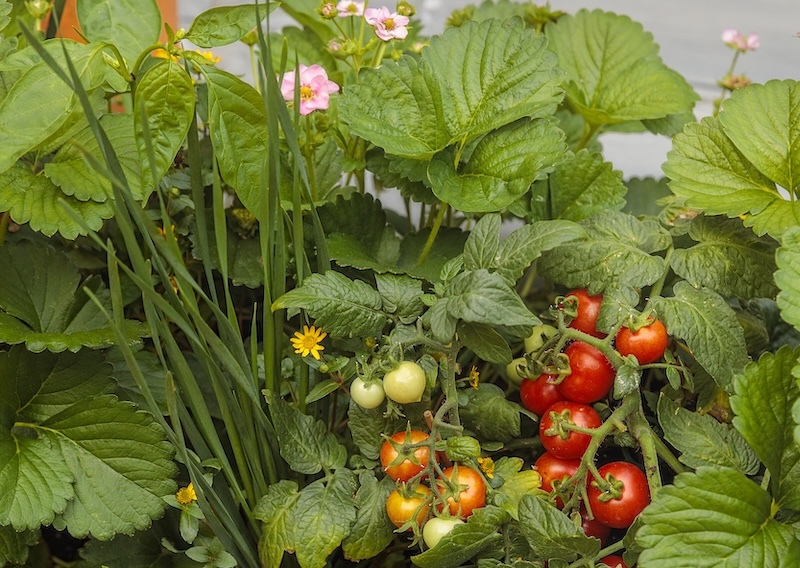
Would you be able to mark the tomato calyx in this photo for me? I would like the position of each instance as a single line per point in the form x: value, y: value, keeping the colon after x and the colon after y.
x: 563, y: 424
x: 610, y: 488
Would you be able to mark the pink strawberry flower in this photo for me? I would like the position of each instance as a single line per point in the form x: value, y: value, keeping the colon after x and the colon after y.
x: 740, y: 42
x: 388, y: 25
x: 315, y: 88
x: 348, y: 8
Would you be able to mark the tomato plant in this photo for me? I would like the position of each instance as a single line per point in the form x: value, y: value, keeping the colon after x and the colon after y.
x: 591, y: 375
x: 402, y: 467
x: 621, y: 495
x: 554, y: 430
x: 614, y: 561
x: 537, y: 395
x: 470, y: 493
x: 587, y: 312
x: 437, y: 528
x: 367, y: 395
x: 405, y: 383
x: 552, y: 468
x: 402, y: 509
x: 647, y: 343
x: 512, y: 370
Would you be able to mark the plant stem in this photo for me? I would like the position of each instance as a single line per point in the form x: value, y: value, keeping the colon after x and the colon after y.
x: 4, y: 220
x: 656, y: 289
x: 642, y: 432
x: 437, y: 224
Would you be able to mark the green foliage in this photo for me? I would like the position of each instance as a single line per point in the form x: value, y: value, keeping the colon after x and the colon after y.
x: 583, y: 185
x: 551, y: 534
x: 787, y: 259
x: 40, y: 304
x: 223, y: 25
x: 709, y: 327
x: 56, y: 413
x: 703, y: 441
x: 737, y: 163
x: 14, y: 544
x: 274, y: 509
x: 131, y: 25
x: 715, y: 509
x: 489, y: 415
x: 614, y: 72
x: 372, y: 530
x: 763, y: 401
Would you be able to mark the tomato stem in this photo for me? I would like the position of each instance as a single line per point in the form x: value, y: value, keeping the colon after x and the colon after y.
x: 437, y: 224
x: 644, y: 435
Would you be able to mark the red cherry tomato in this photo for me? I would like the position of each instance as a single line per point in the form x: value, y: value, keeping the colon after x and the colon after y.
x: 473, y: 490
x: 647, y: 343
x: 588, y: 310
x: 629, y: 494
x: 537, y: 395
x: 591, y: 375
x: 562, y: 443
x: 614, y: 561
x: 407, y: 468
x: 401, y: 509
x: 552, y: 469
x: 594, y: 528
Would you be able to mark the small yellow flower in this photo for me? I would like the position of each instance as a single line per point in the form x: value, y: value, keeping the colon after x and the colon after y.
x: 487, y: 466
x: 209, y: 56
x: 163, y: 54
x: 308, y: 341
x: 474, y: 377
x: 186, y: 495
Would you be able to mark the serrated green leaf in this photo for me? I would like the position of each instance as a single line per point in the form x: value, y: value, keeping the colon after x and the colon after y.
x: 305, y: 442
x: 710, y: 329
x: 483, y: 242
x: 165, y: 100
x: 551, y: 534
x: 14, y: 545
x: 508, y: 75
x: 442, y: 323
x: 367, y: 426
x: 614, y: 72
x: 500, y: 169
x: 35, y: 200
x: 224, y: 25
x: 707, y: 170
x: 275, y: 510
x: 342, y: 307
x: 479, y: 296
x: 763, y: 122
x: 489, y: 414
x: 485, y: 342
x: 581, y: 186
x: 238, y: 125
x: 372, y: 531
x: 619, y: 304
x: 322, y: 517
x: 715, y: 517
x: 401, y: 296
x: 118, y: 489
x: 765, y: 393
x: 465, y: 541
x: 517, y: 482
x: 130, y: 25
x: 728, y: 258
x: 702, y: 440
x: 787, y: 277
x: 615, y: 252
x: 524, y: 245
x: 72, y: 173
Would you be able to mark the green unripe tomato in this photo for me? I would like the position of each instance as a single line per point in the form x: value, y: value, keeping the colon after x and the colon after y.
x: 538, y: 336
x: 436, y: 528
x: 406, y: 383
x: 367, y: 395
x: 512, y: 370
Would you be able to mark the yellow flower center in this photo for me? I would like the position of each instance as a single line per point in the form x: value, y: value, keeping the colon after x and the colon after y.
x: 306, y: 93
x: 352, y: 7
x: 388, y: 23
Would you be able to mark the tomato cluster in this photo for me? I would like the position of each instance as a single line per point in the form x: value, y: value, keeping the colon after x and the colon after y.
x: 405, y: 456
x: 404, y: 384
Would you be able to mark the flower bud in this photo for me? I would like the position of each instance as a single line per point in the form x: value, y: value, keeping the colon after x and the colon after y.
x: 405, y: 9
x: 38, y: 8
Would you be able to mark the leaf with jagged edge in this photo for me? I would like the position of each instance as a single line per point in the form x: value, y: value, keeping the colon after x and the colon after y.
x: 37, y: 201
x: 614, y: 72
x: 728, y: 258
x: 14, y: 546
x: 787, y: 277
x: 41, y: 304
x: 715, y: 518
x: 373, y: 531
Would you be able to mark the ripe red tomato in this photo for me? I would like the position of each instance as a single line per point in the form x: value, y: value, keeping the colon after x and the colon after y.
x: 473, y: 490
x: 588, y: 310
x: 594, y: 528
x: 614, y: 561
x: 407, y: 468
x: 622, y: 503
x: 537, y: 395
x: 552, y: 469
x: 402, y: 509
x: 573, y: 444
x: 647, y: 343
x: 591, y: 375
